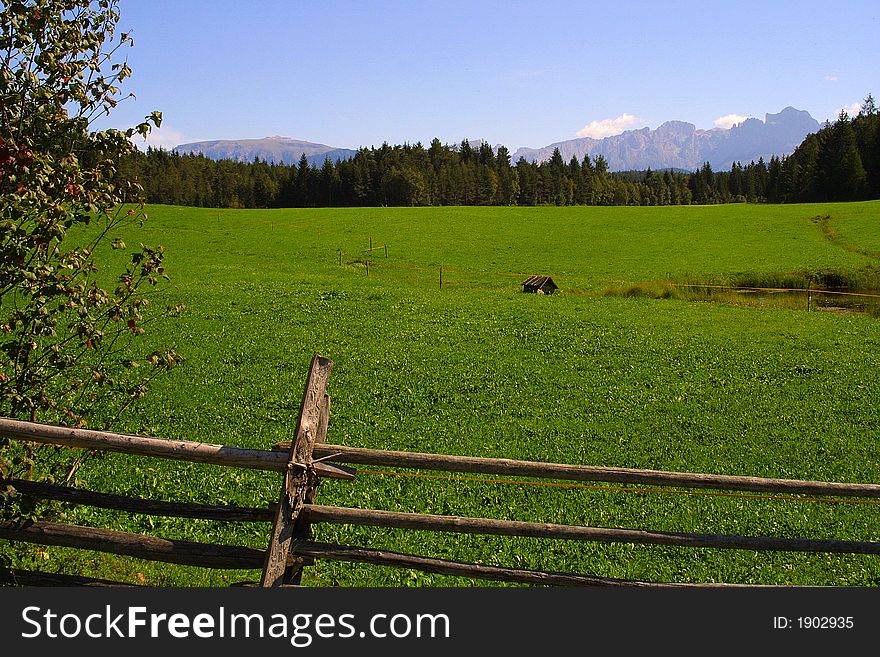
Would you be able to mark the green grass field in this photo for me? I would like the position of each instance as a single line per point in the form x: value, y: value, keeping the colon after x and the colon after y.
x: 477, y: 368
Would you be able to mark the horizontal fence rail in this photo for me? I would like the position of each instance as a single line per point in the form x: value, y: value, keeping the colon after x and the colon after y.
x: 276, y: 460
x: 181, y: 450
x: 245, y: 558
x: 486, y: 526
x: 475, y: 571
x: 18, y: 577
x: 131, y: 504
x: 186, y: 553
x: 316, y: 513
x: 493, y: 466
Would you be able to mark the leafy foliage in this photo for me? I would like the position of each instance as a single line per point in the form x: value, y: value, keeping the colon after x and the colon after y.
x: 66, y: 346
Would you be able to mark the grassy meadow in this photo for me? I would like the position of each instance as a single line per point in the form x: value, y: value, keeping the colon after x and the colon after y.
x: 478, y: 368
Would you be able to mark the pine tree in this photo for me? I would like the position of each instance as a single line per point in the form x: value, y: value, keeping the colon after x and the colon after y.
x: 840, y: 173
x: 465, y: 151
x: 304, y: 186
x: 867, y: 127
x: 774, y: 180
x: 329, y: 183
x: 869, y: 107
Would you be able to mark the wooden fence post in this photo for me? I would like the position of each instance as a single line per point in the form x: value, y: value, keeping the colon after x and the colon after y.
x: 299, y: 478
x: 302, y: 529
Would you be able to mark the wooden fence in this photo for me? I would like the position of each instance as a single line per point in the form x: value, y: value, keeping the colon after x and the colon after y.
x: 307, y: 459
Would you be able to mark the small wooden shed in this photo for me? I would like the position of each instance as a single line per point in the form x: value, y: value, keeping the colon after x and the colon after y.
x: 539, y: 285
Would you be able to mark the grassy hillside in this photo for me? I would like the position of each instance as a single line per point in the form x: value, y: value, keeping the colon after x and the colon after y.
x: 479, y: 369
x: 579, y: 245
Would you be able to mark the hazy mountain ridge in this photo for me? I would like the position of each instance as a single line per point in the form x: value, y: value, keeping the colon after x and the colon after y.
x: 672, y: 145
x: 679, y: 145
x: 271, y: 149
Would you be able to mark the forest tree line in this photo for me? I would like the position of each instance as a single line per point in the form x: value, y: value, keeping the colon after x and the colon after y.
x: 840, y: 162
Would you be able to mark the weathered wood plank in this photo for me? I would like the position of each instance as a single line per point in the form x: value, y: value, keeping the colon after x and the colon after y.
x: 302, y: 529
x: 186, y: 553
x: 299, y: 477
x: 17, y: 577
x: 464, y: 525
x: 146, y: 506
x: 509, y: 467
x: 181, y: 450
x: 472, y: 570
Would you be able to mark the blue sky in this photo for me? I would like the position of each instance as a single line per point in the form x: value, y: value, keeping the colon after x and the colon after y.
x: 348, y: 73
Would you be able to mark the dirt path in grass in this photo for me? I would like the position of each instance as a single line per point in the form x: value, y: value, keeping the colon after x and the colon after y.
x: 829, y: 232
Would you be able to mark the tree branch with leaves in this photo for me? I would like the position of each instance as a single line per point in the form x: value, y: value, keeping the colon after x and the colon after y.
x: 70, y: 331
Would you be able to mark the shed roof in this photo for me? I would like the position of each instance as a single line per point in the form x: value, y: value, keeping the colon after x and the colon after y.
x: 538, y: 281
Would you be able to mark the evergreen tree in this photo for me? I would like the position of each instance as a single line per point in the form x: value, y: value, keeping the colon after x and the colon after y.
x: 869, y: 107
x: 774, y: 181
x: 867, y: 128
x: 486, y: 155
x: 508, y: 182
x: 303, y: 192
x: 465, y: 151
x: 329, y: 185
x: 840, y: 175
x: 702, y: 185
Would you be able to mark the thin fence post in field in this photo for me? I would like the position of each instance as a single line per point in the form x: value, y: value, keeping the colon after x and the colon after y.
x: 302, y: 529
x: 367, y: 262
x: 441, y: 277
x: 299, y: 478
x: 371, y: 244
x: 385, y: 246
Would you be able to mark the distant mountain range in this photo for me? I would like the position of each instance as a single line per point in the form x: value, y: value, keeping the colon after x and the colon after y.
x: 271, y: 149
x: 679, y: 145
x: 673, y: 145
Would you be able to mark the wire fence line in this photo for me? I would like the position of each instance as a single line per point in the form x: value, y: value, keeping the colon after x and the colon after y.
x: 618, y: 489
x: 594, y: 282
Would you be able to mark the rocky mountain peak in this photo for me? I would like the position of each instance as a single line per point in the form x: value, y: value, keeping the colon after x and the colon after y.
x: 680, y: 145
